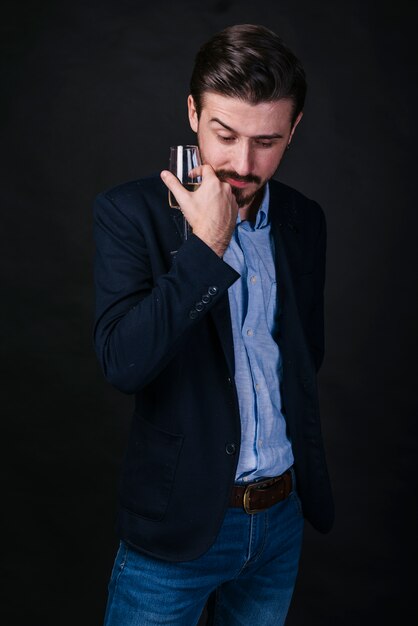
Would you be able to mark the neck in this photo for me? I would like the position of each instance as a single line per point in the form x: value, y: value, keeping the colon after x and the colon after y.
x: 250, y: 211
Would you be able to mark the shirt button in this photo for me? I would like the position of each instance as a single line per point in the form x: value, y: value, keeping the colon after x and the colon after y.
x: 250, y: 332
x: 257, y: 387
x: 253, y: 279
x: 230, y: 448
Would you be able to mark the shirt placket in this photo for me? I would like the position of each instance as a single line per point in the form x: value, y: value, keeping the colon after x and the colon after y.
x: 249, y: 330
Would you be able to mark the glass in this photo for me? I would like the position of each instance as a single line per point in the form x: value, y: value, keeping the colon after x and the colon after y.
x: 182, y: 160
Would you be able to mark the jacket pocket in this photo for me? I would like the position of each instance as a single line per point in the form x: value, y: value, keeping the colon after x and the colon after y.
x: 149, y: 469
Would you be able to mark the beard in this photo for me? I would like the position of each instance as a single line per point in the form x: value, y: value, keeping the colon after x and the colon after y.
x: 242, y: 197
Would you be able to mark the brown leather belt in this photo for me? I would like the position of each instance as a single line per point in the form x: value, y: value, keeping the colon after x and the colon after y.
x: 262, y: 494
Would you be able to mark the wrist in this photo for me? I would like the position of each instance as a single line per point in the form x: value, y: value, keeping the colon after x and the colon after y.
x: 218, y: 246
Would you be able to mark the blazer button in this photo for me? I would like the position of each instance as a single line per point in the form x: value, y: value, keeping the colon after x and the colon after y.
x: 193, y: 314
x: 206, y: 298
x: 212, y: 290
x: 230, y: 448
x: 199, y: 306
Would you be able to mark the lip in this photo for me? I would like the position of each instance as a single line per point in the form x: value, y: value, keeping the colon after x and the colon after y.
x: 237, y: 183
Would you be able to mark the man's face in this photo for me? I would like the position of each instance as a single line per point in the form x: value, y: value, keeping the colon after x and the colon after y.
x: 244, y: 143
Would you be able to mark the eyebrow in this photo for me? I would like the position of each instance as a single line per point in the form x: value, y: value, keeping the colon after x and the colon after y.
x: 273, y: 136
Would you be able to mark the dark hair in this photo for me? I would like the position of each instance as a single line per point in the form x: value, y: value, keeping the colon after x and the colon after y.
x: 251, y: 63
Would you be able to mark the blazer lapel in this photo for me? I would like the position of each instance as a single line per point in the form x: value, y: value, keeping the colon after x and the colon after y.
x: 288, y: 259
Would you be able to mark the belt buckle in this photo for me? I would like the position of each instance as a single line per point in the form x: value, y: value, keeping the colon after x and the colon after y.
x: 246, y: 498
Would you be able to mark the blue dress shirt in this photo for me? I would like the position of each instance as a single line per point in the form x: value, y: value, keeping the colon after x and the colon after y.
x: 265, y: 447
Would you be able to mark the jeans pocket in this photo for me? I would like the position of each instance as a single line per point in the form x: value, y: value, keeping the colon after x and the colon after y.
x: 119, y: 564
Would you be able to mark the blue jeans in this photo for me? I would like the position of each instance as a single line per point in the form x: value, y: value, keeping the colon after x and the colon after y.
x: 252, y: 566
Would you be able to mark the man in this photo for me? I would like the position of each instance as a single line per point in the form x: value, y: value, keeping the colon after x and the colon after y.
x: 219, y: 337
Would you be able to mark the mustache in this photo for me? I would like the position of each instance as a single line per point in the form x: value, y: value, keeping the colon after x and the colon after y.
x: 249, y: 178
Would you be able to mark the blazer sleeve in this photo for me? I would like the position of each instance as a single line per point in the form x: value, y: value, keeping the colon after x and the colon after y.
x: 141, y: 318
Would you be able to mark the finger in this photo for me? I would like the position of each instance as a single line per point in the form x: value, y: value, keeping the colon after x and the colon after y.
x: 174, y: 185
x: 202, y: 170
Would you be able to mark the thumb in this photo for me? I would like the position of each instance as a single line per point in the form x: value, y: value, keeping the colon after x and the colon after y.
x: 175, y: 186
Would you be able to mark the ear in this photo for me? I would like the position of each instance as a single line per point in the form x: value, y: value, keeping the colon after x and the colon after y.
x: 299, y: 117
x: 193, y: 118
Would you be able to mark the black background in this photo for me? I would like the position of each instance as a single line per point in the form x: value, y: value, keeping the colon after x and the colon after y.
x: 93, y: 93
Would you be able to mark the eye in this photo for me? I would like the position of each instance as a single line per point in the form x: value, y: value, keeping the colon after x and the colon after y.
x: 265, y: 144
x: 225, y: 139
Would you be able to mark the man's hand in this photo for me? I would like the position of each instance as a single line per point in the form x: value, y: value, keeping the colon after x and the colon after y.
x: 211, y: 210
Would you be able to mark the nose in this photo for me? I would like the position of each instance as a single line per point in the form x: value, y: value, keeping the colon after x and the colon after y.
x: 243, y: 159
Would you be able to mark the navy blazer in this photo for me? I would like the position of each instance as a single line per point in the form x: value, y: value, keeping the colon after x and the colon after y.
x: 163, y: 332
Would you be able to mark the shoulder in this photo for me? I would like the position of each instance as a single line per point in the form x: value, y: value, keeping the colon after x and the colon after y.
x: 132, y: 198
x: 150, y: 187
